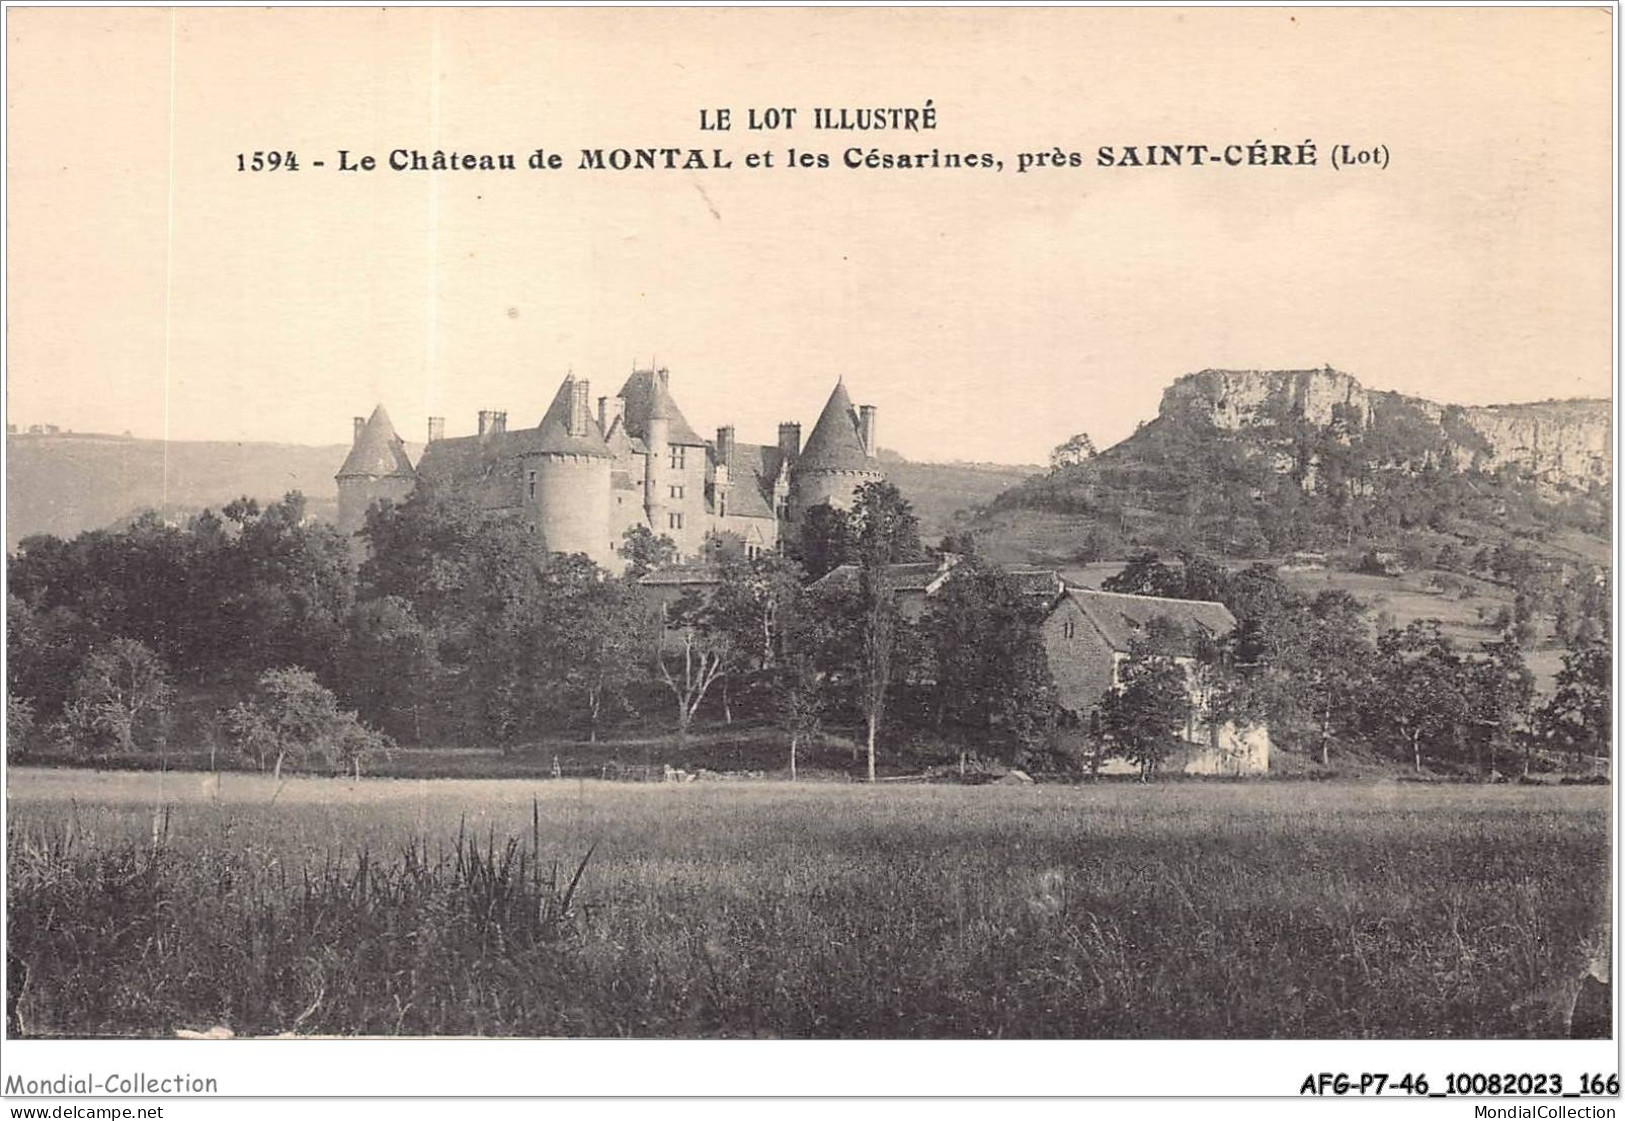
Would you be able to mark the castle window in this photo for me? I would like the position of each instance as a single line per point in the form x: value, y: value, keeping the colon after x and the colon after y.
x: 784, y: 510
x: 677, y: 492
x: 678, y: 453
x: 1069, y: 628
x: 675, y: 521
x: 722, y: 505
x: 532, y: 482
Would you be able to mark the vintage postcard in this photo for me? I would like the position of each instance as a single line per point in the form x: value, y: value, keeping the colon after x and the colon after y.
x: 533, y: 528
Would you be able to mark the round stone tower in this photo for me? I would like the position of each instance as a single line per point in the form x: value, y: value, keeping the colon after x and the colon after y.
x: 838, y: 459
x: 376, y: 468
x: 571, y: 504
x: 566, y: 472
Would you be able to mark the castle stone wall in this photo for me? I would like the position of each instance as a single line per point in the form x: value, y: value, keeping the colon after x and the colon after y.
x: 357, y: 494
x: 571, y: 505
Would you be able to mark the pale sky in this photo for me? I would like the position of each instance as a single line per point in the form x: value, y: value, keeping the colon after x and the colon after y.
x: 154, y: 288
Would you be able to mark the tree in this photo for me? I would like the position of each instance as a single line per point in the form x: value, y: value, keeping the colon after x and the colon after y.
x: 1146, y: 575
x: 1501, y: 694
x: 1329, y: 665
x: 689, y: 656
x: 1148, y: 707
x: 390, y: 666
x: 500, y: 636
x: 120, y: 696
x: 593, y: 625
x: 797, y: 678
x: 19, y: 723
x: 293, y: 585
x: 750, y: 604
x: 1421, y: 689
x: 990, y: 677
x: 886, y: 532
x: 44, y: 650
x: 1078, y: 449
x: 1580, y: 713
x: 293, y: 716
x: 826, y: 540
x: 644, y: 552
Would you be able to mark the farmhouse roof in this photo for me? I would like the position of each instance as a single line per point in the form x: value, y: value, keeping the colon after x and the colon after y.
x: 919, y: 576
x: 647, y: 397
x: 1119, y: 617
x: 835, y: 443
x: 378, y: 452
x: 681, y: 575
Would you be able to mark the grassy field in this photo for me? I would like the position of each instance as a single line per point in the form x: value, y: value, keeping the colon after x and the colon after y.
x: 1243, y: 910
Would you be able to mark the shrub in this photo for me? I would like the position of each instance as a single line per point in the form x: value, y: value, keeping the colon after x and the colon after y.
x: 120, y: 698
x: 293, y: 717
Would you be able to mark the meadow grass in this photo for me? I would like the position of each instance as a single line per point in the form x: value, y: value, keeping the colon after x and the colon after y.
x: 1196, y: 910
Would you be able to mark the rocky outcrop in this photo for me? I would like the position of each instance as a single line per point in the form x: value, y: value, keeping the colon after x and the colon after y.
x: 1561, y: 443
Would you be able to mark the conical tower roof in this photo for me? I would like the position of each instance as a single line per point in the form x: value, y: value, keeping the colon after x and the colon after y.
x: 553, y: 433
x: 378, y: 452
x: 835, y: 443
x: 648, y: 398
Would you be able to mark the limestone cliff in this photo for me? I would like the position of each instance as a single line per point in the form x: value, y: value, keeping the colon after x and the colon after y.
x: 1561, y: 443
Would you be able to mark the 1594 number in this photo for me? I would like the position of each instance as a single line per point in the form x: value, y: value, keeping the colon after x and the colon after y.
x: 267, y: 161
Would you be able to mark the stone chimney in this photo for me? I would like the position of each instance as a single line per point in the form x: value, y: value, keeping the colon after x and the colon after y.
x: 499, y: 422
x: 610, y: 410
x: 665, y: 377
x: 790, y: 441
x: 437, y: 428
x: 485, y: 421
x: 492, y: 422
x: 725, y: 444
x: 580, y: 393
x: 360, y: 423
x: 866, y: 427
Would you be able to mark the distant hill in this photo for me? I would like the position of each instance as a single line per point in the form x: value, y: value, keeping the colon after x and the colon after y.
x: 945, y: 495
x: 66, y: 483
x: 1263, y: 463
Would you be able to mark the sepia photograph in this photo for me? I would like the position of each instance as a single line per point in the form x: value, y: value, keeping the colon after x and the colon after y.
x: 718, y: 524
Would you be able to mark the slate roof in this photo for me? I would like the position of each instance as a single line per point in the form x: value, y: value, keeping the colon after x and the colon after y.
x: 750, y: 480
x: 835, y: 443
x: 378, y: 452
x: 552, y: 435
x: 646, y: 396
x: 477, y: 464
x: 1120, y: 617
x: 682, y: 575
x: 912, y: 577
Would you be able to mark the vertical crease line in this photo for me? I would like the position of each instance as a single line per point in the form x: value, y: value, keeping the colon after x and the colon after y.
x: 431, y: 364
x: 169, y: 252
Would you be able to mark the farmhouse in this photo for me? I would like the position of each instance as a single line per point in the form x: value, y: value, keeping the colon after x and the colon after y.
x: 581, y: 479
x: 1087, y: 637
